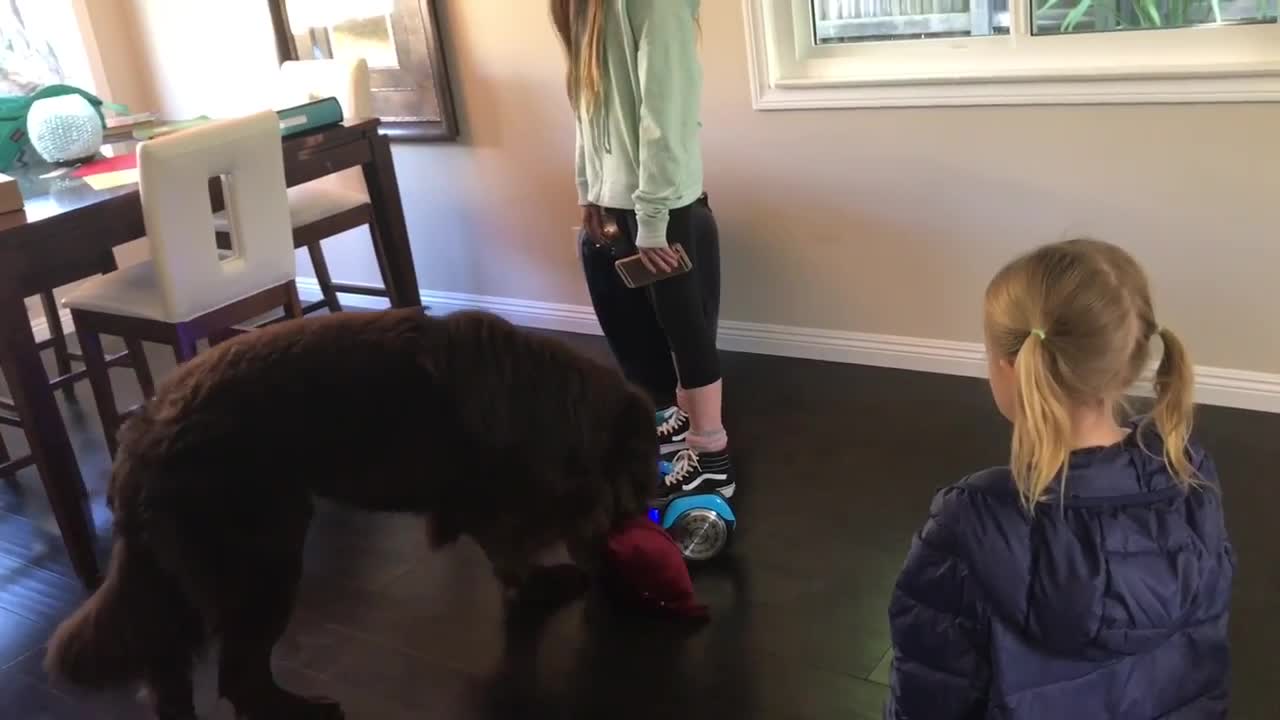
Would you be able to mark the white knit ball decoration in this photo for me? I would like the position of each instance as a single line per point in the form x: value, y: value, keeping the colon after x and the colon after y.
x: 64, y: 128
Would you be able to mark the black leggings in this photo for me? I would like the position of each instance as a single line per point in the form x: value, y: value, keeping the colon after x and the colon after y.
x: 672, y: 318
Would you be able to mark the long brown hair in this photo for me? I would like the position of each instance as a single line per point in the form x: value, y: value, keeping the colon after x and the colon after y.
x: 580, y: 24
x: 1076, y: 319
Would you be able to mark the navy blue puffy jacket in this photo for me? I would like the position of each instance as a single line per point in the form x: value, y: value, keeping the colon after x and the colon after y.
x: 1113, y: 604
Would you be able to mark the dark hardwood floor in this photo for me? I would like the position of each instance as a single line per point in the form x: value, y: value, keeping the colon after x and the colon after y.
x: 837, y: 467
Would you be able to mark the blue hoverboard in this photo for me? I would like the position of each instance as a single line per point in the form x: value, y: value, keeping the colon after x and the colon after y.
x: 701, y: 523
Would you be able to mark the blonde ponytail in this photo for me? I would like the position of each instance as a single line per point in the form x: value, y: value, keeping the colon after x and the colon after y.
x: 580, y: 24
x: 1042, y: 431
x: 1174, y: 408
x: 1092, y: 303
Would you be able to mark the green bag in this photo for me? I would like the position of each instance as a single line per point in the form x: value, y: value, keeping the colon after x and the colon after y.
x: 13, y: 119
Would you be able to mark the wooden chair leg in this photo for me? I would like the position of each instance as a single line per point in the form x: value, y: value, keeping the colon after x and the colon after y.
x: 141, y: 366
x: 384, y: 269
x: 184, y: 344
x: 292, y: 304
x: 61, y: 353
x: 95, y: 362
x: 184, y: 350
x: 323, y: 278
x: 10, y: 480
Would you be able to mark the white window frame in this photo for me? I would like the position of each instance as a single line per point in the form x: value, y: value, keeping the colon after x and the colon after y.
x: 1236, y: 63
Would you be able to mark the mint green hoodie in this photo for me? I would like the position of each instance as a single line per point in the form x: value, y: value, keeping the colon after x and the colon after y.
x: 640, y: 149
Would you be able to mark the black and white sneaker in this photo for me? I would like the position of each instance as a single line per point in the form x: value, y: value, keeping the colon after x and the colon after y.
x: 691, y: 471
x: 673, y: 430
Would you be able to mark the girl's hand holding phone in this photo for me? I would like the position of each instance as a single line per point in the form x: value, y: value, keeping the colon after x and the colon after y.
x: 660, y: 260
x: 636, y: 271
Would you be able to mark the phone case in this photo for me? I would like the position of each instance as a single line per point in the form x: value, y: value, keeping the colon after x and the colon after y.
x: 636, y: 275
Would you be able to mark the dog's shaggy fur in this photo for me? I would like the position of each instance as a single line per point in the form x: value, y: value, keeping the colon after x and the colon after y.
x: 510, y: 438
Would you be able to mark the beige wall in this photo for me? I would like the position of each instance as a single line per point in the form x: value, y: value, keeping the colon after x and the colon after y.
x: 872, y: 221
x: 207, y: 57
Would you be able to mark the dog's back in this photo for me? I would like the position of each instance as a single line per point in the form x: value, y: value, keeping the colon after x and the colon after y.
x: 391, y: 411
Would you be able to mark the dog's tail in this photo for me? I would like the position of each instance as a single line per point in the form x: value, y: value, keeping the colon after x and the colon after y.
x: 139, y: 619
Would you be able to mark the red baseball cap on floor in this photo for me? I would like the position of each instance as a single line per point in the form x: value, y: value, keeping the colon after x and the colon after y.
x: 646, y: 571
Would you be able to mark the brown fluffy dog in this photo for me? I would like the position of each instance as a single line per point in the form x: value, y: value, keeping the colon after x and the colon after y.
x: 490, y: 432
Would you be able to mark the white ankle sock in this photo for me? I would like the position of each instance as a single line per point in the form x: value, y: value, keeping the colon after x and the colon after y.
x: 713, y: 441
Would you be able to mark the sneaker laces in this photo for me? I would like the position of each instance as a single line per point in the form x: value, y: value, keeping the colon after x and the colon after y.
x: 673, y: 422
x: 682, y: 465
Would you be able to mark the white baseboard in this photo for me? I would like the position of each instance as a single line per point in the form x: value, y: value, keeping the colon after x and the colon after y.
x: 891, y: 351
x: 1214, y: 386
x: 1238, y: 389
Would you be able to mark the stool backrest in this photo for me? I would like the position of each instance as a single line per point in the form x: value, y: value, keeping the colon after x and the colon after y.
x: 174, y: 182
x: 302, y: 81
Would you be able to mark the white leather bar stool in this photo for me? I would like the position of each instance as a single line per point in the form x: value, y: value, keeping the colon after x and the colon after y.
x: 334, y: 204
x: 189, y: 290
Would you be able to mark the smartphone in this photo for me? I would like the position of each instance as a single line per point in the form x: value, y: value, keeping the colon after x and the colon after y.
x: 637, y: 275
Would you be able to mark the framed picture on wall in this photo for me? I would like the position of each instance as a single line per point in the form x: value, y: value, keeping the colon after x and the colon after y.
x: 400, y: 40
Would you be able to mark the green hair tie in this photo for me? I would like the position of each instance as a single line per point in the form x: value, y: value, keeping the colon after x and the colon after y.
x: 1039, y: 333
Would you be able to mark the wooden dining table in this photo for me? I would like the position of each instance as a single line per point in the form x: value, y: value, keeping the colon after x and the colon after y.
x: 61, y: 237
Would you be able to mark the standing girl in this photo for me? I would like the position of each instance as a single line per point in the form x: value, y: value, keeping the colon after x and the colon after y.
x: 1091, y: 578
x: 635, y: 83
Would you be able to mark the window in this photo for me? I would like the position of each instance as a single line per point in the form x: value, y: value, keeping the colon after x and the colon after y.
x: 1051, y: 17
x: 40, y: 44
x: 843, y: 22
x: 885, y: 53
